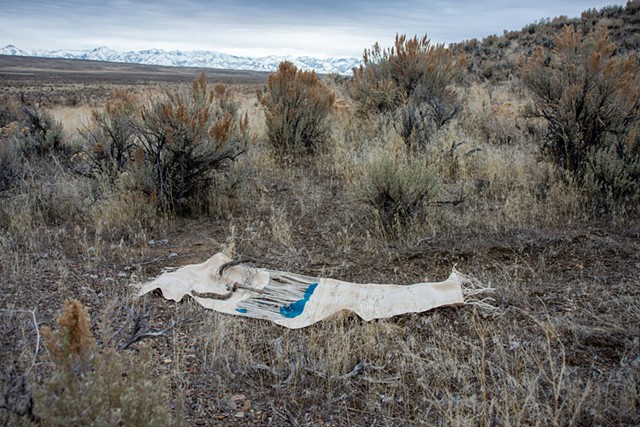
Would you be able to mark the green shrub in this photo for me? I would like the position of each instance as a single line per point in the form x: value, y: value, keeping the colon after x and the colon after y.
x: 41, y: 134
x: 98, y: 388
x: 611, y: 183
x: 297, y: 105
x: 398, y: 189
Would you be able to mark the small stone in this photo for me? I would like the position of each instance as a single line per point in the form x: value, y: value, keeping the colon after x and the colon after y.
x: 239, y: 415
x: 168, y: 361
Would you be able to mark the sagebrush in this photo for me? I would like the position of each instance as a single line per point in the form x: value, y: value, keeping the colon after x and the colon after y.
x: 297, y: 105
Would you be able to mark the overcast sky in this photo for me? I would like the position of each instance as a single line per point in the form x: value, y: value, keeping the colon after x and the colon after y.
x: 322, y: 28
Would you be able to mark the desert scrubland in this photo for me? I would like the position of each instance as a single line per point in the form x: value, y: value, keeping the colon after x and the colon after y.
x: 515, y: 159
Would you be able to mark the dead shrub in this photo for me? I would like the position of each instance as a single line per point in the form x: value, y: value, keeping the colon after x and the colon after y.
x: 10, y: 110
x: 297, y: 105
x: 11, y: 166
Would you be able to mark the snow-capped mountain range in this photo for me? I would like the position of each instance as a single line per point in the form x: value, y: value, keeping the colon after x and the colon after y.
x: 198, y: 58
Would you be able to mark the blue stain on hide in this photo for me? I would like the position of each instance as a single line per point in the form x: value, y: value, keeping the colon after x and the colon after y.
x: 296, y: 308
x: 241, y: 310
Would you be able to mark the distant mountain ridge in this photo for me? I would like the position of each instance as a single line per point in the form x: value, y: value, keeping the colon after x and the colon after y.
x: 198, y: 58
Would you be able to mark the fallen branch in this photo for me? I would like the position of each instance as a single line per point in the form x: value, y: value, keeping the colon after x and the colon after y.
x: 140, y: 329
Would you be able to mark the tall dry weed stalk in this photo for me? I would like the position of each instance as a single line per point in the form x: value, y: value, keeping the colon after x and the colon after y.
x: 72, y: 345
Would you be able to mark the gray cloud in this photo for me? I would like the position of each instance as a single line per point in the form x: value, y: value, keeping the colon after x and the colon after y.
x: 316, y: 28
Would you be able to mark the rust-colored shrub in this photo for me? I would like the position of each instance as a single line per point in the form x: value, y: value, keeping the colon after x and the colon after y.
x: 297, y: 105
x: 412, y: 81
x: 171, y: 148
x: 588, y: 95
x: 186, y: 140
x: 96, y: 385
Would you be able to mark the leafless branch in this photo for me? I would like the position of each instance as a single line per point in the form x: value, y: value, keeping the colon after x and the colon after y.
x: 140, y: 329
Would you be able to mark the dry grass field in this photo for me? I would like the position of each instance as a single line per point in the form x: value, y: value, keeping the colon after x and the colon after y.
x: 561, y: 347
